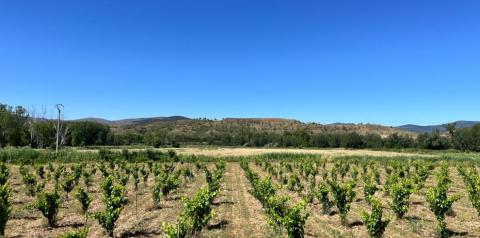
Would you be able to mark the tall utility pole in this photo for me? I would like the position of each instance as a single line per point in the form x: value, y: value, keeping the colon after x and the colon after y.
x: 59, y: 109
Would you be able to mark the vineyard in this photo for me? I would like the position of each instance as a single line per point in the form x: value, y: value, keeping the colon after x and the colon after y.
x: 126, y: 194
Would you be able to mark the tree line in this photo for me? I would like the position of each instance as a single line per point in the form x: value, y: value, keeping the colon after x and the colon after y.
x: 463, y: 139
x: 19, y: 128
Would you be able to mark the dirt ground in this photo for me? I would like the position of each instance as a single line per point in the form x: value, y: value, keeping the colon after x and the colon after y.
x: 236, y: 212
x: 418, y: 222
x: 143, y: 221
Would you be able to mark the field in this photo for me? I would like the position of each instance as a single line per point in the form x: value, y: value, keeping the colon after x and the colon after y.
x: 248, y: 199
x: 226, y: 152
x: 242, y: 152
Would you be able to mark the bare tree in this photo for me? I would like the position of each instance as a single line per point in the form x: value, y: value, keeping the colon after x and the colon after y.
x: 62, y: 133
x: 64, y: 136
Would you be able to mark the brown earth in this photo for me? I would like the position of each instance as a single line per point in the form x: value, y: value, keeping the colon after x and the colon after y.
x: 237, y: 212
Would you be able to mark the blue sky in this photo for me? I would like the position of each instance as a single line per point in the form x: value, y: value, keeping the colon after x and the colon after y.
x: 387, y: 62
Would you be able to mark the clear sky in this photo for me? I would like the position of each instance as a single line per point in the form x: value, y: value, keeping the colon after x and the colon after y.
x: 387, y: 62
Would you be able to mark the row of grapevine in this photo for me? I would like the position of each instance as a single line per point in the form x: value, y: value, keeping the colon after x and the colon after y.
x: 197, y: 210
x: 292, y: 219
x: 62, y: 180
x: 402, y: 180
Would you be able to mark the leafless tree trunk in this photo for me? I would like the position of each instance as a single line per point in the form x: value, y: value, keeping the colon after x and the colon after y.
x: 33, y: 117
x: 64, y: 136
x: 58, y: 128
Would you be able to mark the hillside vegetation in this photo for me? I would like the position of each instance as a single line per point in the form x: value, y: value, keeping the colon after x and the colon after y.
x: 202, y: 127
x: 18, y: 128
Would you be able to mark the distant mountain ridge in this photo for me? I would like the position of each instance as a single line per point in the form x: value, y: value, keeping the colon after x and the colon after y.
x: 430, y: 128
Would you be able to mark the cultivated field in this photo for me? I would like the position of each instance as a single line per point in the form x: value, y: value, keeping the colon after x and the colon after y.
x: 263, y: 195
x: 242, y: 152
x: 224, y: 152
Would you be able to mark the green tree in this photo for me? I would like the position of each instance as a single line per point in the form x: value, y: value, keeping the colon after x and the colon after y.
x: 13, y: 129
x: 89, y: 133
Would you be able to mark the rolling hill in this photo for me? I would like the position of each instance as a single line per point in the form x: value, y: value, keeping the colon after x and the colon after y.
x: 184, y: 125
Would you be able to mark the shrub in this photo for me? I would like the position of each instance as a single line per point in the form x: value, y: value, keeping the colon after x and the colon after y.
x: 68, y: 184
x: 195, y: 215
x: 421, y: 175
x: 342, y: 167
x: 440, y: 203
x: 214, y: 179
x: 41, y: 171
x: 84, y: 199
x: 343, y: 195
x: 164, y: 184
x: 122, y: 178
x: 77, y: 171
x: 373, y: 221
x: 294, y: 220
x: 369, y: 188
x: 103, y: 169
x: 294, y: 183
x: 175, y: 231
x: 263, y: 189
x: 275, y: 207
x: 145, y: 175
x: 474, y: 195
x: 5, y: 207
x: 87, y: 178
x: 392, y: 178
x: 114, y: 199
x: 30, y: 183
x: 48, y: 204
x: 376, y: 176
x: 58, y: 173
x: 4, y: 173
x: 400, y: 193
x: 324, y: 199
x: 310, y: 196
x: 198, y: 209
x: 472, y: 181
x: 187, y: 174
x: 136, y: 179
x: 81, y: 233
